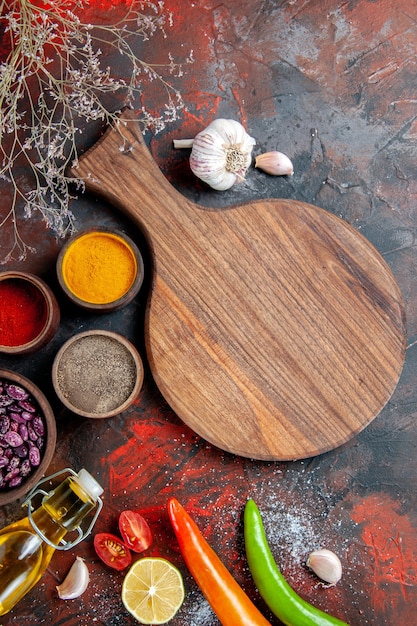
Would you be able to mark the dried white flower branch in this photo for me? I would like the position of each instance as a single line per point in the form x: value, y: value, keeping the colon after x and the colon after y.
x: 52, y: 82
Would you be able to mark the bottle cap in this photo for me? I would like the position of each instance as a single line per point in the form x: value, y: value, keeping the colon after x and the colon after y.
x: 89, y: 484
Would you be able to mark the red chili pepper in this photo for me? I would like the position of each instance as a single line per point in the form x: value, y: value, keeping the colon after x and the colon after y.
x: 227, y: 599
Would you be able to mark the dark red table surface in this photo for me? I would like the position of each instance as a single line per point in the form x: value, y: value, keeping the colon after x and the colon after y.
x: 333, y: 85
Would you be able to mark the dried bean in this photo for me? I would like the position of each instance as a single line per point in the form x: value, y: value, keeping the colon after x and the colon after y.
x: 38, y: 425
x: 23, y: 432
x: 15, y: 471
x: 5, y: 400
x: 17, y: 418
x: 27, y: 406
x: 17, y: 393
x: 27, y: 416
x: 13, y: 438
x: 31, y: 432
x: 4, y: 424
x: 34, y: 456
x: 4, y: 461
x: 14, y: 426
x: 14, y: 462
x: 15, y: 407
x: 25, y: 468
x: 15, y: 482
x: 21, y: 451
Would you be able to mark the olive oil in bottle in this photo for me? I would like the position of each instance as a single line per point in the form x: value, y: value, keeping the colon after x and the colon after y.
x: 27, y: 546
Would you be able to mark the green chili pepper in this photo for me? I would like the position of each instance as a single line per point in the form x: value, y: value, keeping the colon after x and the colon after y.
x: 283, y: 601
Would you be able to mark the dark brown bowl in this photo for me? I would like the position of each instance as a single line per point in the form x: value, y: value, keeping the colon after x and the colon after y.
x: 101, y: 271
x: 37, y: 290
x: 97, y: 374
x: 43, y: 410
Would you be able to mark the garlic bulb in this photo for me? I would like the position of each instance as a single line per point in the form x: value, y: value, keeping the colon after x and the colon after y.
x: 221, y: 154
x: 326, y: 565
x: 76, y: 581
x: 275, y: 163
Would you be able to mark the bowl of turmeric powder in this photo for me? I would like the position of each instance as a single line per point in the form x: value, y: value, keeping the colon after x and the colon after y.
x: 100, y: 269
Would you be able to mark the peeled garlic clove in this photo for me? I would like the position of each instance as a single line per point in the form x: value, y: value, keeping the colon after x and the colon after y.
x: 275, y: 163
x: 76, y: 581
x: 183, y: 143
x: 221, y: 154
x: 326, y: 565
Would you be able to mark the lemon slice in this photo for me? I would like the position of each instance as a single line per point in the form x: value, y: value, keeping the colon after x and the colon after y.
x: 153, y: 590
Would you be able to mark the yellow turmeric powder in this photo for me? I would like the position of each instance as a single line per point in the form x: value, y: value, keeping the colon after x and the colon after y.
x: 99, y: 267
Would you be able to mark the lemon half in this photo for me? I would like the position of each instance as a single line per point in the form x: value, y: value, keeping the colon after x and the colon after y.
x: 153, y: 590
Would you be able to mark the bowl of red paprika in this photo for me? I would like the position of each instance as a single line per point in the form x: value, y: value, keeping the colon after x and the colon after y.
x: 27, y: 435
x: 29, y: 313
x: 100, y: 270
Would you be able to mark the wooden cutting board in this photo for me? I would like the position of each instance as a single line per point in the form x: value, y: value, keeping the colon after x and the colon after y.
x: 274, y: 329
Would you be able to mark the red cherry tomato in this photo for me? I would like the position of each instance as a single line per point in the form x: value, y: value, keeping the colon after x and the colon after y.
x: 135, y: 531
x: 112, y: 550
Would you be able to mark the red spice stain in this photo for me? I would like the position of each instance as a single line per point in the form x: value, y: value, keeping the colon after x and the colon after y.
x: 392, y: 543
x: 144, y: 464
x: 162, y: 455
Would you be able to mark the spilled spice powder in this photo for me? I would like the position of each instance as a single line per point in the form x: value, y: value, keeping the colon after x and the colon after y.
x: 23, y: 312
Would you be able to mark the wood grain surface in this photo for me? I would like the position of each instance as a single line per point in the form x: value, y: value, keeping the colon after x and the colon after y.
x: 274, y: 329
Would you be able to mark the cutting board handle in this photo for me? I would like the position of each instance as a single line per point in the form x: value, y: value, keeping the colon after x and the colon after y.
x: 122, y: 155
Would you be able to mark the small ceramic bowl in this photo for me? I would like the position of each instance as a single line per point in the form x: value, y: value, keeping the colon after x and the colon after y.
x: 100, y: 270
x: 27, y: 435
x: 97, y: 374
x: 29, y: 313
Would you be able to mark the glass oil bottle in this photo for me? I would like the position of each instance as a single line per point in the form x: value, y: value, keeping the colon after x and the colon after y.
x: 27, y: 546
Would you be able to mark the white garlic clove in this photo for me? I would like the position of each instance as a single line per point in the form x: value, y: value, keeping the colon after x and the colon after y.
x: 182, y: 143
x: 326, y: 565
x: 76, y: 581
x: 221, y: 154
x: 275, y: 163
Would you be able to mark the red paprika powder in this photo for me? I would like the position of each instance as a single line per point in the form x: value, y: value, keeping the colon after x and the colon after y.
x: 23, y: 312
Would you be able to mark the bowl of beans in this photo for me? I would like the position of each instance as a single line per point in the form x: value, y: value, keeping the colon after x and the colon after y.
x: 29, y: 313
x: 27, y: 435
x: 100, y: 270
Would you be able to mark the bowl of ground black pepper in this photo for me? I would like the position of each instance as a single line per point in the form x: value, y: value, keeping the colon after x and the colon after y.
x: 29, y: 313
x: 27, y: 435
x: 100, y: 270
x: 97, y: 374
